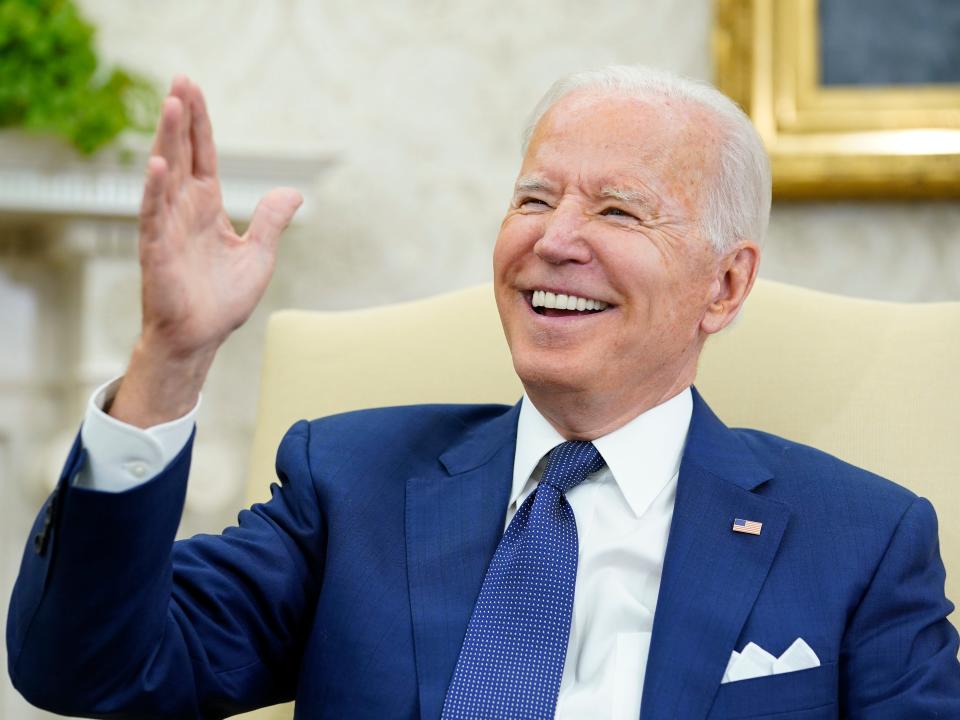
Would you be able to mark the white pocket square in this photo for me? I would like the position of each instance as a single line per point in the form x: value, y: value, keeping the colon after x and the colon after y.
x: 753, y: 661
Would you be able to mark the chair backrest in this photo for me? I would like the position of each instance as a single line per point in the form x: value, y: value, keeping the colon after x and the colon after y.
x: 875, y: 383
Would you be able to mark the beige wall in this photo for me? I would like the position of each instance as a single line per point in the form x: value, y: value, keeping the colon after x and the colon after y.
x: 421, y: 102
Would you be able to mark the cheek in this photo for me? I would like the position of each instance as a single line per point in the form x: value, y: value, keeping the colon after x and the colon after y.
x: 518, y: 234
x: 661, y: 304
x: 633, y: 268
x: 688, y: 300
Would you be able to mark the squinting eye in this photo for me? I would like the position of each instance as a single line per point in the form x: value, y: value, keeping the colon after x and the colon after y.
x: 617, y: 212
x: 532, y: 204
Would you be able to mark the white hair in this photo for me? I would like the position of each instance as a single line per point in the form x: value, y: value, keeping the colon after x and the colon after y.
x: 737, y: 203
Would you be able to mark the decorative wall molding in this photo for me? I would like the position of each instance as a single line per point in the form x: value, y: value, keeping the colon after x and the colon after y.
x: 42, y: 175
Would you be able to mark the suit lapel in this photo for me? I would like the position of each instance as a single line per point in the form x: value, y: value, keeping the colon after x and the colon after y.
x: 454, y: 521
x: 711, y: 575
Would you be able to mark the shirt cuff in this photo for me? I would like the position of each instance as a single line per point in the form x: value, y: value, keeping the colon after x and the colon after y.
x: 121, y: 456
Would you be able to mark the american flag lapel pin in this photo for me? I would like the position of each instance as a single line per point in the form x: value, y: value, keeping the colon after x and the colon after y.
x: 751, y: 527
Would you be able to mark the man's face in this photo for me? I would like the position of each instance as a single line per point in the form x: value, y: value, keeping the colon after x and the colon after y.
x: 606, y: 209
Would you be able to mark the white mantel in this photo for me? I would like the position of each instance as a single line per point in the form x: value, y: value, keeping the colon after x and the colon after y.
x: 41, y: 175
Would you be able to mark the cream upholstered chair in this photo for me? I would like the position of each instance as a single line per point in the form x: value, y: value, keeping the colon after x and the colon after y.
x: 875, y: 383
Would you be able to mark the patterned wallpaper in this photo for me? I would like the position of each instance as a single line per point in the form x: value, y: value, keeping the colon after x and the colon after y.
x: 423, y: 101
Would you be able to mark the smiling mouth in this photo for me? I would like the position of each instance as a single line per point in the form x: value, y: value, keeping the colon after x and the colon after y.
x: 551, y: 304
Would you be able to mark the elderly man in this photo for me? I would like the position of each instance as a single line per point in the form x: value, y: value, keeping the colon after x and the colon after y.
x: 655, y: 563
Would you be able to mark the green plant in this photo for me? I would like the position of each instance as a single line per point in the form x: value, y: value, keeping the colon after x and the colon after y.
x: 51, y: 80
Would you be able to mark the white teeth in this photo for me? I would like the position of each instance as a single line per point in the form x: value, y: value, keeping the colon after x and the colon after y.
x: 560, y: 301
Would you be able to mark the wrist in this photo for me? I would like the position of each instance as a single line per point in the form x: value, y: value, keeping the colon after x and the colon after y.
x: 159, y: 387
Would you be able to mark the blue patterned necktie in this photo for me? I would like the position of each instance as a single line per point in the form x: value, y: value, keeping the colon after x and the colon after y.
x: 512, y: 657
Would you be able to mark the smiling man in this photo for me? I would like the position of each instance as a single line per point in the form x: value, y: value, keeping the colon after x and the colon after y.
x: 605, y: 548
x: 611, y: 207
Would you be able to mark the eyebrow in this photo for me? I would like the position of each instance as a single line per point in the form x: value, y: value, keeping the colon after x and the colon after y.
x: 531, y: 184
x: 632, y: 196
x: 625, y: 195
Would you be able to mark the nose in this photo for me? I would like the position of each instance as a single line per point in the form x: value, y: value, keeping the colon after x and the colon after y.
x: 563, y: 237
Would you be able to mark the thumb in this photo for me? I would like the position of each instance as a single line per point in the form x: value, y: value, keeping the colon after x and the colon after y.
x: 273, y: 214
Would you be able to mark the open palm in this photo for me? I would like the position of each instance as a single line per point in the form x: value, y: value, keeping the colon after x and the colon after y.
x: 201, y: 280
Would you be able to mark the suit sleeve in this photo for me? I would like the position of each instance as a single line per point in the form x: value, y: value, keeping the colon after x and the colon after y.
x: 900, y: 651
x: 110, y: 617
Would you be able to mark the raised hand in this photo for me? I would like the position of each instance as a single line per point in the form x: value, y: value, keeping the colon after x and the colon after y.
x: 200, y: 280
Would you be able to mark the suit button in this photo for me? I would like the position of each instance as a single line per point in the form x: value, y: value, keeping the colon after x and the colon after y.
x: 40, y: 541
x: 51, y: 507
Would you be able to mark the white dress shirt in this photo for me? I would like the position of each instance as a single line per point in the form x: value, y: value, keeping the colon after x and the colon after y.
x: 623, y: 515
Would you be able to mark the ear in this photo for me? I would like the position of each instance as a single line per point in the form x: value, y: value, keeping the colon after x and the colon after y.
x: 735, y: 276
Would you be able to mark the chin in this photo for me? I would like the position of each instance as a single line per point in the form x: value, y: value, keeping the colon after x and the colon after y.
x: 553, y: 371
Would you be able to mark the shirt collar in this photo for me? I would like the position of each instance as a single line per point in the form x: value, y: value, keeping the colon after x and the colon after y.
x: 643, y: 455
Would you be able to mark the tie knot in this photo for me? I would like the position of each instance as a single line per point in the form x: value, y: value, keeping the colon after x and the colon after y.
x: 569, y: 463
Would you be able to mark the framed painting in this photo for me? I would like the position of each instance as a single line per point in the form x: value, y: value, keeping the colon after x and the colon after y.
x: 853, y: 98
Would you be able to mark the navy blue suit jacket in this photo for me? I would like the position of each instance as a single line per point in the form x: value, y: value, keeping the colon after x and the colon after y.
x: 351, y: 589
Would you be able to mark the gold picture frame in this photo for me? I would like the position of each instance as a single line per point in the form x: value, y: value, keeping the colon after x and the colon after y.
x: 838, y: 141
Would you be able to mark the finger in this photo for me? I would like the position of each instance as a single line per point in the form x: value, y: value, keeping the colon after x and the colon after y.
x: 154, y: 198
x: 181, y: 89
x: 168, y: 135
x: 201, y: 132
x: 158, y: 135
x: 274, y: 212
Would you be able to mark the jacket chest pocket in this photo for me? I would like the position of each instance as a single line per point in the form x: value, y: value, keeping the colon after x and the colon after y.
x: 802, y: 695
